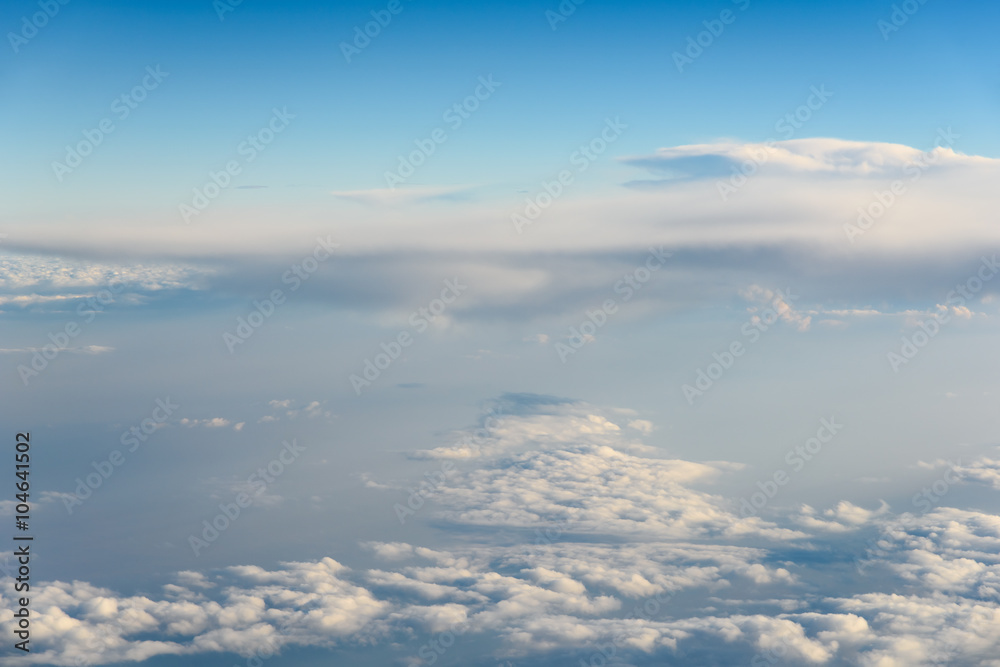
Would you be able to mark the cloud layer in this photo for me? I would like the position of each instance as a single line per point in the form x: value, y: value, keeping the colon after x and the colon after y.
x: 925, y: 222
x: 597, y: 546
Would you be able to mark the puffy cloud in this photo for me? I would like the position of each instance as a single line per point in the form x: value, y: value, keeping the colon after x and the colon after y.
x: 984, y: 471
x: 844, y: 517
x: 595, y: 550
x: 390, y: 550
x: 777, y: 302
x: 595, y: 488
x: 566, y: 464
x: 43, y: 283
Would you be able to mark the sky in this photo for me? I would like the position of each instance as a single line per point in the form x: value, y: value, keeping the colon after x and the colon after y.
x: 417, y: 332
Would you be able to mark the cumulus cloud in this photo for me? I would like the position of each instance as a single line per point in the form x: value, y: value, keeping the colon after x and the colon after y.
x: 57, y: 278
x: 593, y: 488
x: 776, y: 302
x: 595, y: 548
x: 77, y: 623
x: 522, y: 421
x: 984, y: 470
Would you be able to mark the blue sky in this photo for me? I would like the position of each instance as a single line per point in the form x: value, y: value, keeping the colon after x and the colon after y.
x: 608, y: 300
x: 558, y: 85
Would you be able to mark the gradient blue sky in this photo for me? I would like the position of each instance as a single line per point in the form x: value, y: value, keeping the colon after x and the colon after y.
x: 602, y: 446
x: 352, y: 120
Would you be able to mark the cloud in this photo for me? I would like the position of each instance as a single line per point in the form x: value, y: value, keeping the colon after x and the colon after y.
x: 827, y: 156
x: 596, y: 489
x: 290, y: 409
x: 644, y: 426
x: 34, y: 299
x: 844, y: 517
x: 213, y: 422
x: 77, y: 623
x: 595, y: 547
x: 8, y: 507
x: 786, y: 227
x: 984, y: 470
x: 86, y: 349
x: 404, y: 195
x: 521, y: 421
x: 545, y: 462
x: 60, y: 278
x: 777, y: 302
x: 390, y: 550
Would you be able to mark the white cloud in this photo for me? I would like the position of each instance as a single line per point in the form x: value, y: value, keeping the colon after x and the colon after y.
x: 592, y: 548
x: 808, y: 156
x: 785, y: 227
x: 644, y: 426
x: 776, y: 302
x: 212, y: 422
